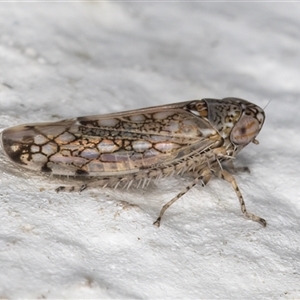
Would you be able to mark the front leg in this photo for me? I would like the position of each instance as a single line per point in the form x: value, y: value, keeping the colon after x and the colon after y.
x: 229, y: 178
x: 233, y: 169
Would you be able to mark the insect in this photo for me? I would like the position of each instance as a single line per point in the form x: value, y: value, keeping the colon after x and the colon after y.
x: 199, y: 137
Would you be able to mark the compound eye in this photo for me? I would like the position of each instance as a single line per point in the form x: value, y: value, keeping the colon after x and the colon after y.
x: 245, y: 130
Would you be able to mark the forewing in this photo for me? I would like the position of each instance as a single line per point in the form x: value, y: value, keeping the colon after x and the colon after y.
x: 107, y: 145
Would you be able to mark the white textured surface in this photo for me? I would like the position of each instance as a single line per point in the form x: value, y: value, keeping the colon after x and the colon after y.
x: 71, y: 59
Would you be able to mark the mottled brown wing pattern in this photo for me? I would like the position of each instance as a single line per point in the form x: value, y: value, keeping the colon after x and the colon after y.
x: 106, y: 146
